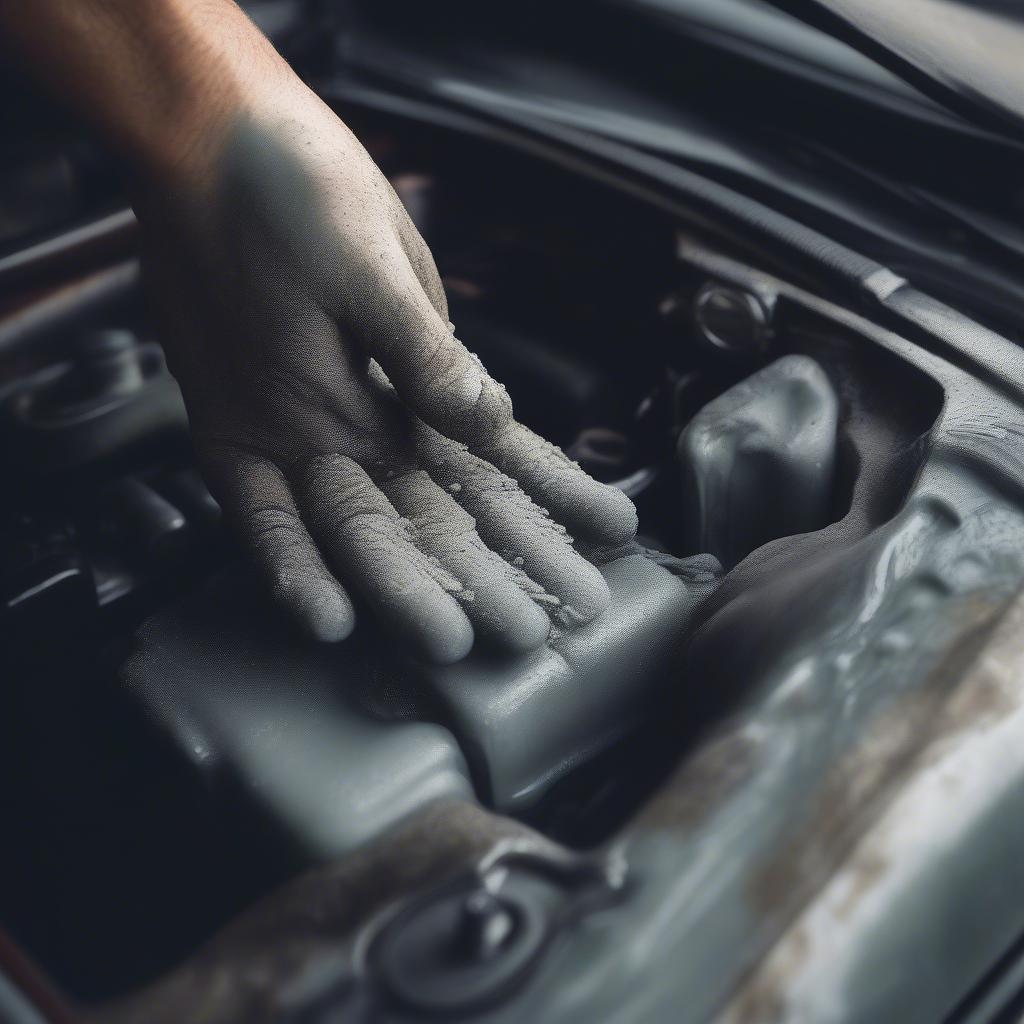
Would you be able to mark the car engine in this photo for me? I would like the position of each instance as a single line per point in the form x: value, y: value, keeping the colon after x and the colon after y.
x: 208, y: 817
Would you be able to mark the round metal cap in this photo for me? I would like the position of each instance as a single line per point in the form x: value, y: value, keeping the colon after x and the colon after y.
x: 731, y: 320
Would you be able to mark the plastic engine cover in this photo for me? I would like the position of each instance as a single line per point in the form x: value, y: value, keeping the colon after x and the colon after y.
x: 272, y: 719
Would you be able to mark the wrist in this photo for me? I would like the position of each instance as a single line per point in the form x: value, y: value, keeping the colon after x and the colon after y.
x: 161, y: 79
x: 210, y: 67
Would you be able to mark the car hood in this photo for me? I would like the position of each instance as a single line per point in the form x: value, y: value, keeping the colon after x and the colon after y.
x: 966, y: 54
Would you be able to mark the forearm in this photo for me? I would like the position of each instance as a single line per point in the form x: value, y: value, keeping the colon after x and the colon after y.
x: 159, y: 78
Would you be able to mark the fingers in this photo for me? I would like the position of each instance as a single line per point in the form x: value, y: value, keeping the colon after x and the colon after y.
x: 257, y: 500
x: 509, y: 523
x: 499, y: 604
x: 449, y: 389
x: 422, y: 262
x: 460, y: 400
x: 373, y: 548
x: 590, y: 509
x: 432, y: 371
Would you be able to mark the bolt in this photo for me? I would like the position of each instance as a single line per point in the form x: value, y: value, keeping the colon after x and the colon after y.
x: 484, y: 926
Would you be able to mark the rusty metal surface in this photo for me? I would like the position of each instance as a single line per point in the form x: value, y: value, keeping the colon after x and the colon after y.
x: 893, y: 932
x: 301, y: 937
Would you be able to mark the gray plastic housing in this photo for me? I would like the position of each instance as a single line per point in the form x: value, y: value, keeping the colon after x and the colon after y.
x: 282, y: 723
x: 759, y: 461
x: 525, y: 722
x: 274, y: 720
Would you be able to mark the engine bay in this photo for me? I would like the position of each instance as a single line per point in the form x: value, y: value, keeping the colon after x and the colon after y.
x: 813, y: 541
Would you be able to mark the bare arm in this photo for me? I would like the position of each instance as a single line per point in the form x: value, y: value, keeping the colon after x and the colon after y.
x: 147, y: 73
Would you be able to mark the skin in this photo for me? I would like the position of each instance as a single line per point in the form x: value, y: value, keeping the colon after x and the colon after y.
x: 352, y: 439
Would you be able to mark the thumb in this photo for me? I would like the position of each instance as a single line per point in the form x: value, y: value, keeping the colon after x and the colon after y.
x: 435, y: 375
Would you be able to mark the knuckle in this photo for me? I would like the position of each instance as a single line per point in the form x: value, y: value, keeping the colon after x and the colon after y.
x: 341, y: 497
x: 272, y: 523
x: 463, y: 399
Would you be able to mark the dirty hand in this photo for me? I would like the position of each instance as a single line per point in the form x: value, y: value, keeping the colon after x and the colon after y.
x: 351, y: 438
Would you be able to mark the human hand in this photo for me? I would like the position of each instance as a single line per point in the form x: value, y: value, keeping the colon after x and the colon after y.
x: 351, y: 438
